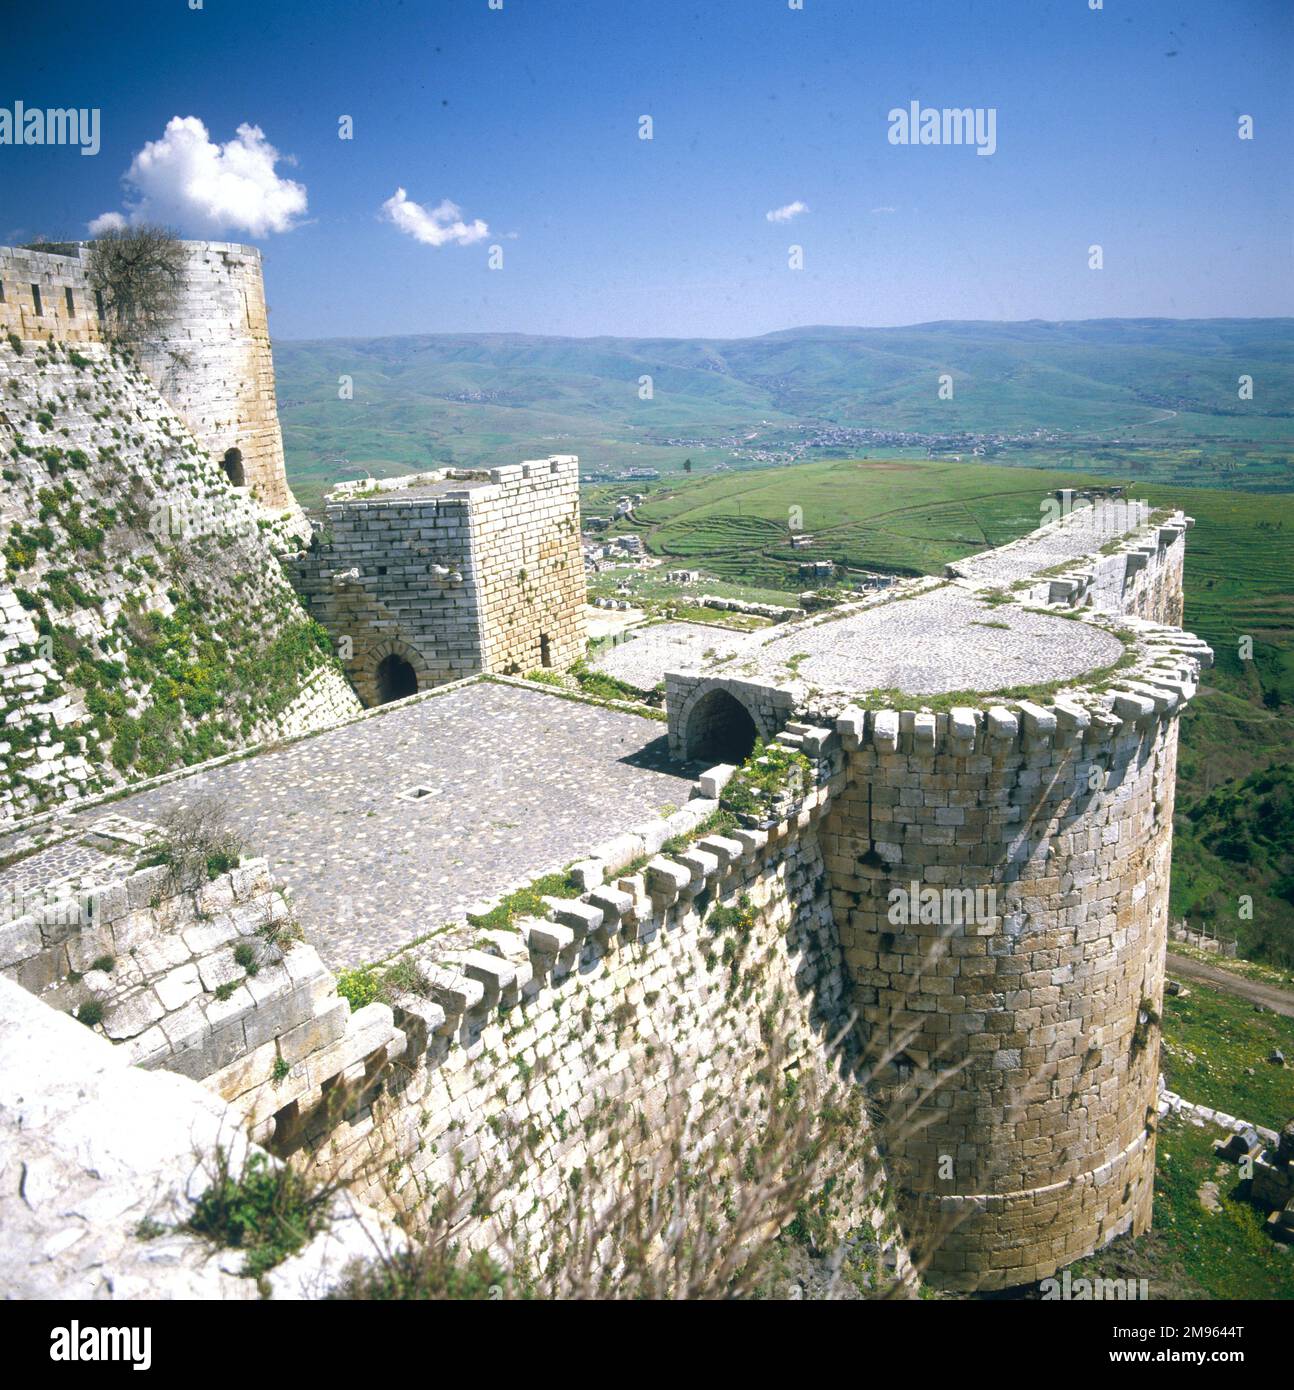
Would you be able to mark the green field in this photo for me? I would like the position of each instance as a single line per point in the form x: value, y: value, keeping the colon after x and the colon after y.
x: 1191, y: 1252
x: 904, y: 516
x: 1213, y: 1041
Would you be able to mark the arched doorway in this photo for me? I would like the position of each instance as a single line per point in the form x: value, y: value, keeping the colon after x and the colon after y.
x: 232, y: 463
x: 395, y: 678
x: 720, y: 729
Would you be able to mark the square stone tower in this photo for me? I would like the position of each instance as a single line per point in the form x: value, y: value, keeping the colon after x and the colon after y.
x: 427, y: 579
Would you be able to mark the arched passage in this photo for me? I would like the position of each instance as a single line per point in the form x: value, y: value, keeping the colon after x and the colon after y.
x: 394, y: 679
x: 232, y: 463
x: 719, y: 729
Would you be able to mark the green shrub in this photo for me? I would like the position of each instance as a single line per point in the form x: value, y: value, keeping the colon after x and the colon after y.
x: 526, y: 902
x: 359, y: 987
x: 269, y: 1211
x: 602, y: 686
x: 90, y: 1013
x: 419, y: 1275
x: 770, y: 771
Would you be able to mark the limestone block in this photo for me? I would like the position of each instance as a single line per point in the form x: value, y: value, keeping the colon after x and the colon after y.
x: 19, y: 939
x: 885, y: 730
x: 713, y: 781
x: 666, y: 879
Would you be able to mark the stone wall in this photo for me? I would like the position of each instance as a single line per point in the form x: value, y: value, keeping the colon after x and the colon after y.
x: 102, y: 1165
x: 1130, y: 562
x: 126, y: 551
x: 204, y: 978
x: 212, y: 361
x: 35, y: 289
x: 526, y: 1061
x: 553, y: 1053
x: 454, y: 572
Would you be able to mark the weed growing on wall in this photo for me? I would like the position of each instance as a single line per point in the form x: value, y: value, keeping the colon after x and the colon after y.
x: 268, y: 1210
x: 770, y: 777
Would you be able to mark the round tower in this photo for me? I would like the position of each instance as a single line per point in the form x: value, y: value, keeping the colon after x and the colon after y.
x: 1001, y: 888
x: 998, y: 848
x: 213, y: 364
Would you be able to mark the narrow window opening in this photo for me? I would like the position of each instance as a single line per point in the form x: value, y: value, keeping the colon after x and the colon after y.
x: 71, y: 301
x: 232, y: 463
x: 545, y: 650
x: 35, y: 299
x: 98, y: 304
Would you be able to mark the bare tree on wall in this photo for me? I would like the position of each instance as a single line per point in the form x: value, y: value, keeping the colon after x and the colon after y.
x: 137, y: 273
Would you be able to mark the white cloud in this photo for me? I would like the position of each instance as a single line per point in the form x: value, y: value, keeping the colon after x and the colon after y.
x: 107, y: 222
x: 188, y: 181
x: 438, y: 226
x: 790, y: 210
x: 885, y: 209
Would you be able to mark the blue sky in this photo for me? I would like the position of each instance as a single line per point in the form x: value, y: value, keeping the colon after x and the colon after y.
x: 1115, y: 127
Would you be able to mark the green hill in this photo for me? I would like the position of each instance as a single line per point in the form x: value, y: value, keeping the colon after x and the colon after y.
x: 1239, y: 840
x: 1113, y: 387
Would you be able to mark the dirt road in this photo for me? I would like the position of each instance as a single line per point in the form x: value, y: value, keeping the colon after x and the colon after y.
x: 1280, y: 1001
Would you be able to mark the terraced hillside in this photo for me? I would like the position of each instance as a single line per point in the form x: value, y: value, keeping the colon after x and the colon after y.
x: 905, y: 516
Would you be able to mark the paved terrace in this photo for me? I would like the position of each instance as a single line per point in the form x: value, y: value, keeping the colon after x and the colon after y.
x: 938, y: 640
x: 1082, y: 533
x: 517, y: 782
x: 643, y: 659
x: 943, y: 640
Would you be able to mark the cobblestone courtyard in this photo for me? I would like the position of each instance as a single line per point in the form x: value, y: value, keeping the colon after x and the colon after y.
x: 386, y: 829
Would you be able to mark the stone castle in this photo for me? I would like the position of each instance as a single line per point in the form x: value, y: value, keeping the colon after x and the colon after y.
x: 995, y: 749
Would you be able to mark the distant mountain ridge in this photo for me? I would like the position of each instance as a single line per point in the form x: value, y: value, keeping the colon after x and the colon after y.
x: 420, y: 400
